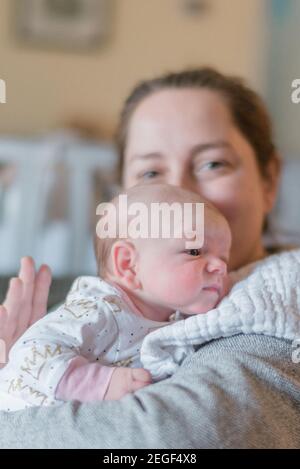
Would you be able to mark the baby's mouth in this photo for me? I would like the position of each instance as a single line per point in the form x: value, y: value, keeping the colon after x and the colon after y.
x: 213, y: 289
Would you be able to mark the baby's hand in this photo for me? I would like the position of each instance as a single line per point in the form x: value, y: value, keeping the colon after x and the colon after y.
x: 126, y: 380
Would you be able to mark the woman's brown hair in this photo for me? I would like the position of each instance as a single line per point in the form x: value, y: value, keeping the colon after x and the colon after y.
x: 247, y: 108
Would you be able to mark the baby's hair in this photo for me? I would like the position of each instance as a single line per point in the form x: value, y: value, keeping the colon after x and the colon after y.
x: 103, y: 246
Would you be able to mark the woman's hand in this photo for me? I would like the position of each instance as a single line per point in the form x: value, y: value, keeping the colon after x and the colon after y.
x: 25, y: 302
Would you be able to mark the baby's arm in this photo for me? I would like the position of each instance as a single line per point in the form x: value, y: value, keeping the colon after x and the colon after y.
x: 56, y: 358
x: 40, y: 358
x: 84, y: 381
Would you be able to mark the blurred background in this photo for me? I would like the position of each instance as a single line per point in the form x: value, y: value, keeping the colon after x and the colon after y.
x: 68, y: 65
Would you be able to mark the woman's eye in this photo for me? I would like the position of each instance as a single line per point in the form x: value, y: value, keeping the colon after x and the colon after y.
x: 214, y: 165
x: 211, y: 165
x: 194, y: 252
x: 149, y: 174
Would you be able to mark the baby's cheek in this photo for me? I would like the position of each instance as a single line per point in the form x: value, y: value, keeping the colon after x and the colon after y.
x: 183, y: 283
x: 187, y: 279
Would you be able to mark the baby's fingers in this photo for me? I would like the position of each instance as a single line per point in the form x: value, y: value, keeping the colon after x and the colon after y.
x: 136, y: 385
x: 141, y: 375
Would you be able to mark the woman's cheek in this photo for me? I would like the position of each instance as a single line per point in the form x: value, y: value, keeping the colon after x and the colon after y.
x: 235, y: 196
x: 225, y: 194
x: 229, y: 205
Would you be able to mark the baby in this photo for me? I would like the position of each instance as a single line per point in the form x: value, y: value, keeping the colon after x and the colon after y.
x: 89, y: 348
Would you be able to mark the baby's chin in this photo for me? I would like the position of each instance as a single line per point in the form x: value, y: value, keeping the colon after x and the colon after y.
x: 201, y: 307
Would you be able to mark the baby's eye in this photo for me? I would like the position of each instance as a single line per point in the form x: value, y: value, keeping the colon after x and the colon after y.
x: 193, y: 252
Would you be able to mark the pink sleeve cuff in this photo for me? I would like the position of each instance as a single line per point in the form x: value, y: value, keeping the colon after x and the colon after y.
x: 84, y: 381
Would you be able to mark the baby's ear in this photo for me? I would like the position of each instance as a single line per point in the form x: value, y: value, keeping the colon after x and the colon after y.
x: 124, y: 258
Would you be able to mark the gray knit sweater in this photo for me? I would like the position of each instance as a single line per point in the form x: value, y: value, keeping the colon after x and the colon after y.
x: 235, y: 392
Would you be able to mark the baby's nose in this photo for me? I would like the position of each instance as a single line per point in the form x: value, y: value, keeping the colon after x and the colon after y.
x: 217, y: 265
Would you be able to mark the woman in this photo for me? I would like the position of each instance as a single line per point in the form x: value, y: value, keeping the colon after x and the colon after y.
x: 209, y: 133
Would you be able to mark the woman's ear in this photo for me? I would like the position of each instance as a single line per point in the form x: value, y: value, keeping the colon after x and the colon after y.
x: 124, y: 258
x: 271, y: 182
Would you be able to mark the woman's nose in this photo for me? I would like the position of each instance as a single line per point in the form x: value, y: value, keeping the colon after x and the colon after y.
x: 183, y: 180
x: 216, y: 265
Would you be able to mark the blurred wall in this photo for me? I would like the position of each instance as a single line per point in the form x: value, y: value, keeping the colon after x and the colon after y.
x: 46, y: 87
x: 283, y: 68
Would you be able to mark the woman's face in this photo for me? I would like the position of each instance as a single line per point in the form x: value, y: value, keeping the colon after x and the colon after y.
x: 188, y: 138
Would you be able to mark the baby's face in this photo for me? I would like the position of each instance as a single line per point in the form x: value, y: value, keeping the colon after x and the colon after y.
x: 190, y: 280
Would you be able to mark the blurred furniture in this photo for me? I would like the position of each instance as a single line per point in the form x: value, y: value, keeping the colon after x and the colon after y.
x: 49, y: 190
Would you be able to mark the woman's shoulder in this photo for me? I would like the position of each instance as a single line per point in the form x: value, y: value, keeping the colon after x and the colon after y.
x: 285, y: 255
x: 277, y: 257
x: 278, y: 249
